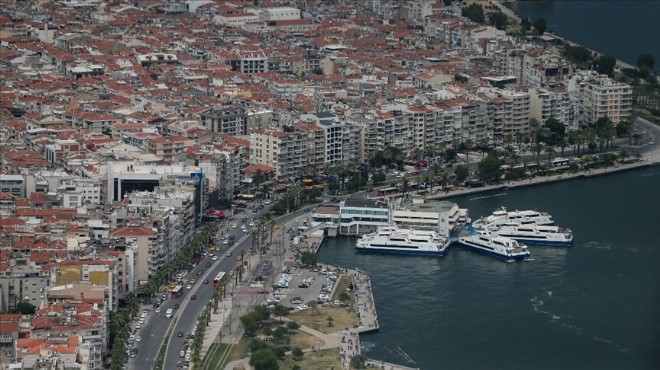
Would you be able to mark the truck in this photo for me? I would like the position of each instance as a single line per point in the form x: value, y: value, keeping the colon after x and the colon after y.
x: 296, y: 240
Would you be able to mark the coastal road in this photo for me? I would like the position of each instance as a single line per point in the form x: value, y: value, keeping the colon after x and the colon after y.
x: 155, y: 329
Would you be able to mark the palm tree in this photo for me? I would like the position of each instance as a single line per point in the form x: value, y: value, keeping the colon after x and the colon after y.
x: 623, y: 155
x: 273, y: 222
x: 445, y: 178
x: 550, y: 151
x: 404, y: 186
x: 255, y: 241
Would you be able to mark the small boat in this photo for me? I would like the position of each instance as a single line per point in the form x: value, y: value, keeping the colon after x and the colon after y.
x: 502, y: 216
x: 391, y: 239
x: 492, y: 244
x: 534, y: 234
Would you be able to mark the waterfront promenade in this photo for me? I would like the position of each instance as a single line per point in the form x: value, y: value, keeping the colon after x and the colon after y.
x: 224, y: 325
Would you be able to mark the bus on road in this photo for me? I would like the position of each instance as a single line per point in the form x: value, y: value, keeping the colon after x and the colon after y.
x: 386, y: 191
x: 176, y: 292
x: 218, y: 278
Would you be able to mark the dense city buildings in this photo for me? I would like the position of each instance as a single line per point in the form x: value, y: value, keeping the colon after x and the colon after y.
x: 123, y: 124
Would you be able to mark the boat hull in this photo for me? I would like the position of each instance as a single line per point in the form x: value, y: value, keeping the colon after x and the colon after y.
x: 487, y: 252
x: 561, y: 243
x: 400, y: 251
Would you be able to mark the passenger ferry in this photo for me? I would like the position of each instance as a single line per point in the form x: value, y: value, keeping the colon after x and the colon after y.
x: 391, y: 239
x: 502, y: 216
x: 495, y: 245
x: 534, y: 234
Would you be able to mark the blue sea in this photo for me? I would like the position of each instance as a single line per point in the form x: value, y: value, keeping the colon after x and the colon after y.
x: 595, y: 305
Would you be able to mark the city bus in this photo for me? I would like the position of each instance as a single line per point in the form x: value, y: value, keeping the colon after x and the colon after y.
x: 560, y: 162
x: 176, y: 292
x: 218, y: 278
x: 387, y: 191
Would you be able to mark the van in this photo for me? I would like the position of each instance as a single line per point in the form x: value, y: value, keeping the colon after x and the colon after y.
x: 168, y: 313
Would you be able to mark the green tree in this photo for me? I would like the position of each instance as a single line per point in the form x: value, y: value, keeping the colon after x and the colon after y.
x: 498, y: 20
x: 24, y: 308
x: 264, y: 359
x: 461, y: 172
x: 489, y: 169
x: 540, y: 26
x: 330, y: 320
x: 378, y: 178
x: 605, y: 65
x: 647, y: 60
x: 309, y: 259
x: 474, y: 12
x: 297, y: 354
x: 557, y: 130
x: 525, y: 25
x: 280, y: 311
x: 358, y: 361
x: 292, y: 325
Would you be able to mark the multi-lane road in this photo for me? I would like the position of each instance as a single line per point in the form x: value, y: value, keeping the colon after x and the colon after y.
x: 154, y: 331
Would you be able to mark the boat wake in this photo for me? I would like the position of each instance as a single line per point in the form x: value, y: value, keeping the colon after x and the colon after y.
x: 489, y: 196
x: 537, y: 305
x: 651, y: 174
x: 367, y: 346
x: 598, y: 245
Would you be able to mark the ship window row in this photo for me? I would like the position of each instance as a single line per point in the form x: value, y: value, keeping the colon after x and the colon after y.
x: 365, y: 219
x: 394, y: 246
x: 363, y: 212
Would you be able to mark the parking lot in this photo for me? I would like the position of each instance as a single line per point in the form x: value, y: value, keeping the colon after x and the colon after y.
x: 305, y: 284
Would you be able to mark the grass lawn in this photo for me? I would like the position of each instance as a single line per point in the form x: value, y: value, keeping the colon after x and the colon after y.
x: 343, y: 317
x: 302, y: 340
x: 344, y: 281
x: 324, y: 359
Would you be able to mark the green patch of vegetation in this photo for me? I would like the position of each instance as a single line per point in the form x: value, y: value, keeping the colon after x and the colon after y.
x: 322, y: 359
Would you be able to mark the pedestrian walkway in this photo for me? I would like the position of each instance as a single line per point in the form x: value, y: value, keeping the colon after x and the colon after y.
x: 215, y: 324
x: 364, y: 303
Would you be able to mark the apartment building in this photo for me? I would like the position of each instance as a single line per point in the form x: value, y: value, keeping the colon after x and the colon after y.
x: 286, y: 152
x: 552, y: 102
x: 151, y: 253
x: 23, y: 283
x: 169, y: 147
x: 227, y: 119
x: 600, y: 96
x: 13, y: 184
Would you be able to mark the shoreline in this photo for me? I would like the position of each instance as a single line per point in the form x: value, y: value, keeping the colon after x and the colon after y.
x: 542, y: 180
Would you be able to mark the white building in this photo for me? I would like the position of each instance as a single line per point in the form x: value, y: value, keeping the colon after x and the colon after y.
x: 440, y: 216
x: 236, y: 20
x: 284, y: 13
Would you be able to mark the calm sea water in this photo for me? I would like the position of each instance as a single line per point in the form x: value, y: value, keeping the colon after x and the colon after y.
x: 624, y: 29
x: 595, y: 305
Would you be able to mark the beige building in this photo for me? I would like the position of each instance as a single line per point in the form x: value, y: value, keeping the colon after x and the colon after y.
x: 151, y: 252
x: 600, y: 96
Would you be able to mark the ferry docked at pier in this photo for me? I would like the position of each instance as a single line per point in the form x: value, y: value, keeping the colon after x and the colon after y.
x: 391, y: 239
x: 534, y: 234
x: 502, y: 216
x: 495, y: 245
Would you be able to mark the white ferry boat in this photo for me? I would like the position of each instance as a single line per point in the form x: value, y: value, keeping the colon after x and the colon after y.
x: 391, y: 239
x: 534, y: 234
x: 495, y: 245
x: 502, y: 216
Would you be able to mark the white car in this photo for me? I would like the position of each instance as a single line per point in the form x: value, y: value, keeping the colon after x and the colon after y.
x: 251, y: 223
x: 138, y: 338
x: 141, y: 321
x: 234, y: 226
x: 188, y: 286
x: 224, y: 241
x: 158, y: 310
x: 302, y: 307
x: 138, y: 326
x: 215, y: 258
x: 169, y: 313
